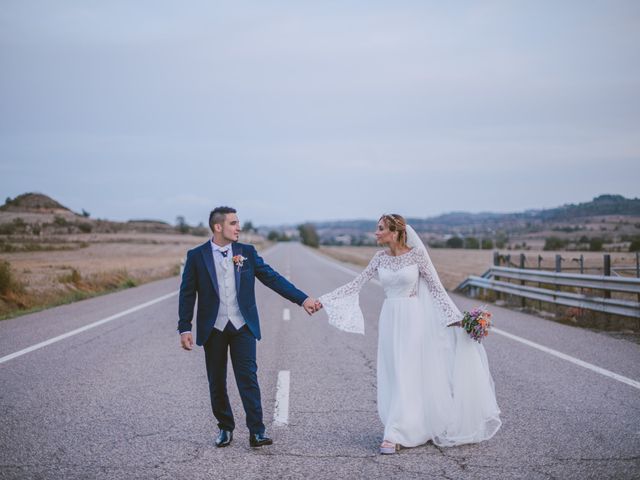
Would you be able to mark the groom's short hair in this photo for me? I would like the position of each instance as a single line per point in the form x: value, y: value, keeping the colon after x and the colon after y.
x: 217, y: 215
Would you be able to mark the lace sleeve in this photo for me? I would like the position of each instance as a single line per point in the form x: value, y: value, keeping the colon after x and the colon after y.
x: 436, y: 289
x: 342, y: 304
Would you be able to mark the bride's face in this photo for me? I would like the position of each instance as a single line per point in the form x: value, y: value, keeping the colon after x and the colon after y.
x: 384, y: 236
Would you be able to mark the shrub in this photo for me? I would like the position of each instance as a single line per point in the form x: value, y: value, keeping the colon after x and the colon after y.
x: 129, y: 283
x: 74, y: 277
x: 487, y: 244
x: 7, y: 229
x: 273, y: 236
x: 554, y: 243
x: 455, y: 242
x: 471, y: 242
x: 60, y: 221
x: 595, y: 244
x: 8, y: 283
x: 85, y: 227
x: 635, y: 245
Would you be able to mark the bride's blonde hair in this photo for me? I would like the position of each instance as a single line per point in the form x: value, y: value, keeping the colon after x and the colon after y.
x: 396, y: 223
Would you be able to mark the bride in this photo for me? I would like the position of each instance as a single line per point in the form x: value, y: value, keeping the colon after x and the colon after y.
x: 434, y: 382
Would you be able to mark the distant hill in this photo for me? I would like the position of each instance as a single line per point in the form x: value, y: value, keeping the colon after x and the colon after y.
x: 613, y: 219
x: 33, y: 203
x: 602, y: 205
x: 36, y: 213
x: 452, y: 221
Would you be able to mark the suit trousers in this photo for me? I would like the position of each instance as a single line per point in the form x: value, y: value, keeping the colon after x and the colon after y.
x: 242, y: 345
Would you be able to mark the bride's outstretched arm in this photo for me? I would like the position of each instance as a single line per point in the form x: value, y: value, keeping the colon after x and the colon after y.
x: 436, y: 289
x: 342, y: 305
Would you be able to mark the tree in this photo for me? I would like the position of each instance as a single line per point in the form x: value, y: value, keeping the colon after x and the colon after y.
x: 501, y: 239
x: 273, y: 236
x: 455, y: 242
x: 181, y: 224
x: 85, y: 213
x: 248, y: 226
x: 487, y: 244
x: 554, y: 243
x: 471, y: 242
x: 309, y: 235
x: 595, y: 244
x: 635, y: 245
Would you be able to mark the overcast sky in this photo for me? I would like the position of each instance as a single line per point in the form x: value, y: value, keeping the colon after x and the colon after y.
x: 317, y: 110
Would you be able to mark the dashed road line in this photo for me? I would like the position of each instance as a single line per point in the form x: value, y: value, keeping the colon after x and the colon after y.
x: 281, y: 413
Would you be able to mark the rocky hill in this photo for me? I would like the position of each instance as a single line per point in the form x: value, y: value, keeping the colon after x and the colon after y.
x: 33, y: 203
x: 40, y: 215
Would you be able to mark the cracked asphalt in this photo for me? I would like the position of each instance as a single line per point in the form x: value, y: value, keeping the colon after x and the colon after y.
x: 123, y: 401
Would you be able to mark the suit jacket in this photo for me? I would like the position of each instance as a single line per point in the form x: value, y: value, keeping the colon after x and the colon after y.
x: 199, y: 280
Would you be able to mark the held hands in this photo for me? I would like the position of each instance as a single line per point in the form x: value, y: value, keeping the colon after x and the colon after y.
x: 311, y: 305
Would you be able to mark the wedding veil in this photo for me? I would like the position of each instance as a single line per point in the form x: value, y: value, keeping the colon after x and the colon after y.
x: 448, y: 315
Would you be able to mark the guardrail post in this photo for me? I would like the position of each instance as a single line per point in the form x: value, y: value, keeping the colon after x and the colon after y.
x: 638, y: 270
x: 497, y: 259
x: 581, y: 263
x: 558, y: 263
x: 539, y: 261
x: 523, y: 259
x: 607, y: 273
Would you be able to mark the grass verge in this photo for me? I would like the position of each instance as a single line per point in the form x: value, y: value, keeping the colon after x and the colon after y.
x: 17, y: 300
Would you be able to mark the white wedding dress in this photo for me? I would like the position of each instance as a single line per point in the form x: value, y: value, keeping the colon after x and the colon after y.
x: 433, y: 381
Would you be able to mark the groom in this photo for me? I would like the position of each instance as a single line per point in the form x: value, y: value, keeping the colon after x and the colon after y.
x: 221, y: 273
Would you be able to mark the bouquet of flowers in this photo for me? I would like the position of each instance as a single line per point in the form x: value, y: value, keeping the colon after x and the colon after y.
x: 477, y: 323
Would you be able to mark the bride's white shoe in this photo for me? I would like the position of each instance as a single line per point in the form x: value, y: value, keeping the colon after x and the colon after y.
x: 389, y: 448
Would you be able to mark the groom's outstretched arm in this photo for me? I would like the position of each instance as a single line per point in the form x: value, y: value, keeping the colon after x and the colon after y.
x: 276, y: 282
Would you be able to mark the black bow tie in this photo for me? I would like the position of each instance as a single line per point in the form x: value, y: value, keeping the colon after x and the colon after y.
x: 224, y: 252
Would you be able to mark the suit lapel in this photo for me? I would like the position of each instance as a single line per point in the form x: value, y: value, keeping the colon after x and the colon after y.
x: 237, y: 250
x: 207, y: 254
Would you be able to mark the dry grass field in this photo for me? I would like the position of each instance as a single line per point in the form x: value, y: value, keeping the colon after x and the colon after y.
x: 454, y: 265
x: 73, y: 267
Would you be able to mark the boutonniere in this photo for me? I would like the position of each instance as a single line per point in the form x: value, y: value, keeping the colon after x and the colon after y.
x: 238, y: 261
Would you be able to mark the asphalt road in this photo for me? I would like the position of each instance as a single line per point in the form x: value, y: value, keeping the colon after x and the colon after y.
x: 121, y: 400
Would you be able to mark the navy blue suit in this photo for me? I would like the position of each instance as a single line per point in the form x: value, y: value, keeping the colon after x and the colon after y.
x: 199, y: 280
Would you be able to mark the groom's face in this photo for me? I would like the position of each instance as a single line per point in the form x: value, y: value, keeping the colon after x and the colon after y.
x: 229, y: 229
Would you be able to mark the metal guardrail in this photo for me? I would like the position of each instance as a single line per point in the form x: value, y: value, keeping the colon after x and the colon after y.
x: 598, y: 282
x: 490, y: 281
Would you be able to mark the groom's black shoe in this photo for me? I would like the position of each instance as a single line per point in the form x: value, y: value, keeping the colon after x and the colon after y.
x: 224, y: 438
x: 259, y: 439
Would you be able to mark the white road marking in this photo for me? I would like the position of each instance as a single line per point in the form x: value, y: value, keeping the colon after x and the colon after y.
x: 281, y: 413
x: 569, y: 358
x: 550, y: 351
x: 286, y: 314
x: 85, y: 328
